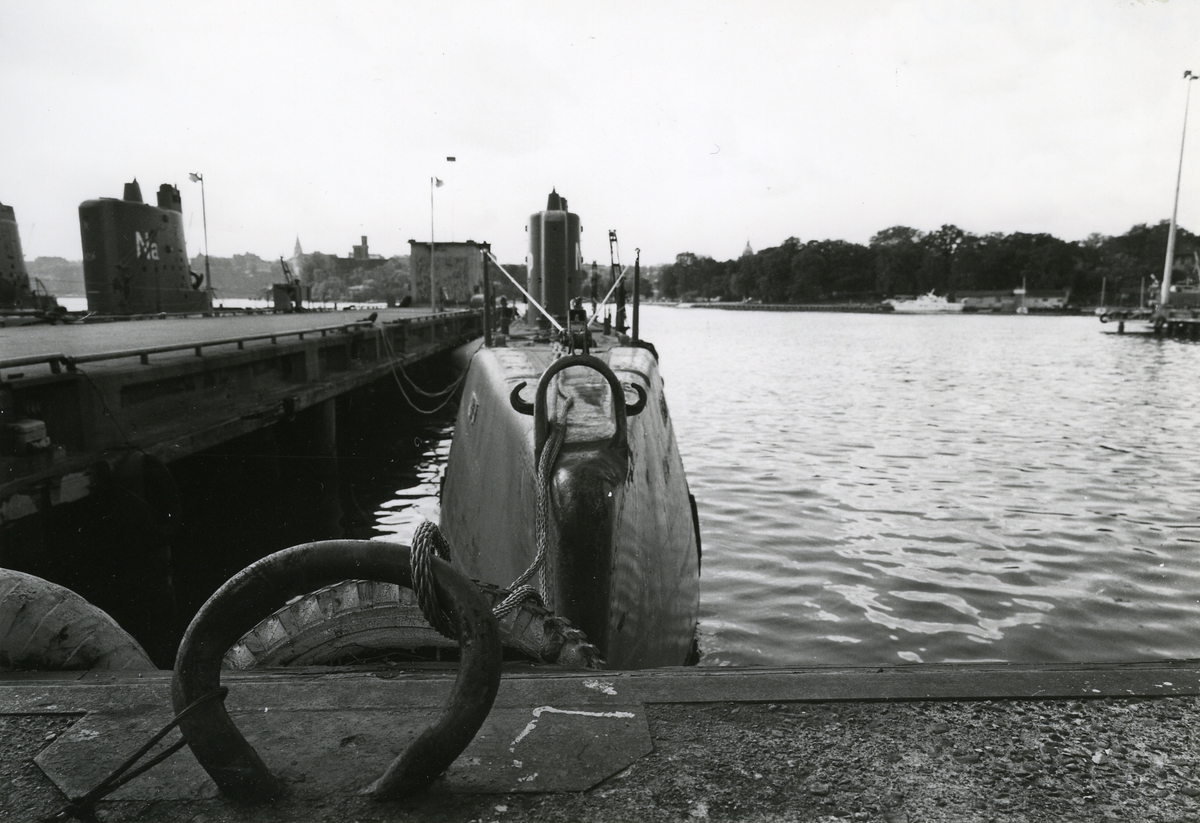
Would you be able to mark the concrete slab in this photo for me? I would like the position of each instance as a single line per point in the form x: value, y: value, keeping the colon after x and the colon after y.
x: 326, y: 754
x: 331, y: 737
x: 829, y: 743
x: 330, y: 733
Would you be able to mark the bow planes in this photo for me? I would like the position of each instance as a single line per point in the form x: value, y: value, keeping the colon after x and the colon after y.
x: 563, y: 470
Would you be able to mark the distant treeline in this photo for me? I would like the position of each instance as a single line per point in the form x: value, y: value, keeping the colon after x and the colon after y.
x: 906, y: 261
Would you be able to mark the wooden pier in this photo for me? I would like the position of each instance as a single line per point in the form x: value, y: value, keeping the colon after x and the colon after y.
x: 1178, y: 324
x: 144, y: 461
x: 171, y: 387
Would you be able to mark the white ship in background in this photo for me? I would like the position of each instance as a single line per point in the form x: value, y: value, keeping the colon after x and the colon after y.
x: 925, y: 304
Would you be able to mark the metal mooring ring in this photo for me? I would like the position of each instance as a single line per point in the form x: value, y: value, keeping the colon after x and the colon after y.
x: 541, y: 423
x: 266, y: 585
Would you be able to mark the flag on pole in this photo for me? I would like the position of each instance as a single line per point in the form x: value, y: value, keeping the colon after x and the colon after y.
x: 438, y: 182
x: 195, y: 178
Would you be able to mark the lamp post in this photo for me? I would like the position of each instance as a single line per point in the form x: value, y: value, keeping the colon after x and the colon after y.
x: 199, y: 178
x: 1165, y: 293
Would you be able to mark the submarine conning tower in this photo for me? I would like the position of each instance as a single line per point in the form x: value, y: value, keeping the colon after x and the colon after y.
x: 134, y: 255
x: 14, y: 279
x: 555, y: 261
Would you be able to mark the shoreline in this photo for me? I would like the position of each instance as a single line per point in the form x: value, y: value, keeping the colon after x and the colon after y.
x: 863, y: 308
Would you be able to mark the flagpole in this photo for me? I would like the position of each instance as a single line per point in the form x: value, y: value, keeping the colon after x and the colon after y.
x: 1165, y: 293
x: 432, y: 292
x: 195, y: 177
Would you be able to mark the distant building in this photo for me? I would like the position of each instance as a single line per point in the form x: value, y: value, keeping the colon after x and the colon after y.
x: 361, y: 252
x: 360, y: 258
x: 458, y: 270
x: 1186, y: 266
x: 747, y: 252
x: 1007, y: 301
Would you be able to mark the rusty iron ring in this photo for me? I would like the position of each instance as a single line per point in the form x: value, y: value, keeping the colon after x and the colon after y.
x: 266, y: 585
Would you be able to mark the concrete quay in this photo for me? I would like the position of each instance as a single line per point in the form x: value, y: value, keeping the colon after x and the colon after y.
x: 908, y: 743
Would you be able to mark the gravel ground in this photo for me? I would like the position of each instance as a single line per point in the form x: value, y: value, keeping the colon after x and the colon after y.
x: 1019, y: 760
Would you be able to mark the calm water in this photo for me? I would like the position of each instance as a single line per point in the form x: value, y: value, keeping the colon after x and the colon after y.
x: 877, y: 489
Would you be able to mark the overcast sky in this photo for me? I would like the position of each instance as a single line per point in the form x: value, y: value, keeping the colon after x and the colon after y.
x: 687, y: 126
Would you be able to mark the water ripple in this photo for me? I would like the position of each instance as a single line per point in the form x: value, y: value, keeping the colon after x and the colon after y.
x: 938, y: 488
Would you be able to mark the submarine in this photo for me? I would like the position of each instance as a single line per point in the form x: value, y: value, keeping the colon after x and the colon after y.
x: 564, y: 474
x: 134, y: 256
x: 19, y: 296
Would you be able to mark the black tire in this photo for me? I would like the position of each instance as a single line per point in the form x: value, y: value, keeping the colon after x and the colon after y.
x: 359, y: 620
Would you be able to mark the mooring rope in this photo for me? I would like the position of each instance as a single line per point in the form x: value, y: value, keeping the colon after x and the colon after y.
x: 392, y: 359
x: 520, y: 590
x: 428, y: 542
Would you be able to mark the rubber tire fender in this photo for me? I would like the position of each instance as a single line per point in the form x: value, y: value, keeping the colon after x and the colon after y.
x: 268, y: 584
x: 47, y: 627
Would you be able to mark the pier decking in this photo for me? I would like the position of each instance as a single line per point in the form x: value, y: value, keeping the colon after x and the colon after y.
x: 1180, y: 324
x: 169, y: 387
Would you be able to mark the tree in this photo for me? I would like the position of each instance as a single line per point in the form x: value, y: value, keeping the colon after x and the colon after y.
x: 822, y: 269
x: 898, y: 257
x: 937, y: 261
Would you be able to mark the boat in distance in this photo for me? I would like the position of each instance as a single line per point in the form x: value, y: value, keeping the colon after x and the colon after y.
x: 925, y: 304
x: 566, y: 417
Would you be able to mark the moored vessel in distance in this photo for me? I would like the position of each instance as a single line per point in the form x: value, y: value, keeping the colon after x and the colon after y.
x: 135, y: 258
x: 563, y: 417
x: 925, y: 304
x: 20, y: 298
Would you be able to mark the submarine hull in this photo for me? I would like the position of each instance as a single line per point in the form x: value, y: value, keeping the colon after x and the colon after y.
x: 622, y: 561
